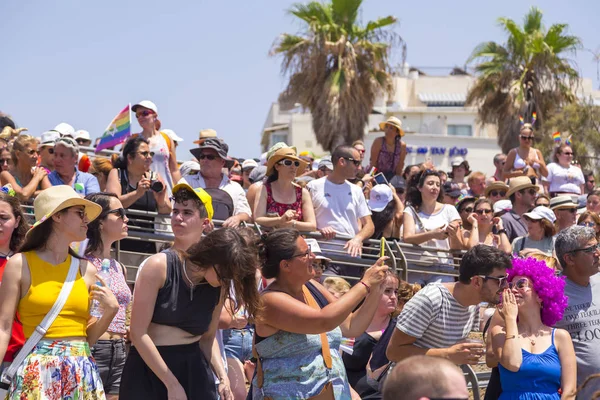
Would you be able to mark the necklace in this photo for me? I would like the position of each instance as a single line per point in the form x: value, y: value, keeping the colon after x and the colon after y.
x: 189, y: 280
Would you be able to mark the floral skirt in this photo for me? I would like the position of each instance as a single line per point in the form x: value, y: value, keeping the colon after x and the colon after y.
x: 57, y: 370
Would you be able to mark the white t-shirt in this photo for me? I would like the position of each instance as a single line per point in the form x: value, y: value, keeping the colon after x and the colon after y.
x: 564, y: 180
x: 240, y: 203
x: 338, y: 206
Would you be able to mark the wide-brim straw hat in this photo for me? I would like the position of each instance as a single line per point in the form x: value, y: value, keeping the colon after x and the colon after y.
x: 58, y: 198
x: 393, y: 121
x: 496, y: 185
x: 283, y: 153
x: 520, y: 183
x: 561, y: 202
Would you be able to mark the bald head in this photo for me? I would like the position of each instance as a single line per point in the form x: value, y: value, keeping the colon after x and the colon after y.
x: 422, y: 377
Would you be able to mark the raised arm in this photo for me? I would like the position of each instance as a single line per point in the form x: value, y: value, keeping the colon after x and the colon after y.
x: 375, y: 149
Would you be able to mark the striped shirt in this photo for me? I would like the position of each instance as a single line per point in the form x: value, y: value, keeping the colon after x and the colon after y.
x: 436, y: 319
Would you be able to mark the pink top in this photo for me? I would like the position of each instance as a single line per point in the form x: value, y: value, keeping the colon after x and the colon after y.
x: 118, y: 285
x: 280, y: 208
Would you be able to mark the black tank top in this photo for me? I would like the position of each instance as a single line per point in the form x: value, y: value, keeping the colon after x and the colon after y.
x: 177, y: 305
x: 145, y: 203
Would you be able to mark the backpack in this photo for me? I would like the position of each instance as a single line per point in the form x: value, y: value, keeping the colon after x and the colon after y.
x: 222, y: 203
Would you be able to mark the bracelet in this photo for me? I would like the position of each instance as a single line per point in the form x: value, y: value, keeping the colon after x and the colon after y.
x: 501, y: 231
x: 294, y: 224
x: 510, y: 337
x: 367, y: 286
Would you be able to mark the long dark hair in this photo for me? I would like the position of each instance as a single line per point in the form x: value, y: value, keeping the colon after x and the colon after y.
x: 382, y: 218
x: 413, y: 195
x: 37, y: 238
x: 234, y: 261
x: 131, y: 146
x: 93, y: 233
x: 21, y: 229
x: 275, y: 247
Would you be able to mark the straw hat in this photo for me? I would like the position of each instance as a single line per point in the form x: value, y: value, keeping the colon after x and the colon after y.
x: 393, y: 121
x: 205, y: 134
x: 520, y: 183
x: 60, y: 197
x: 560, y: 202
x: 280, y: 151
x: 200, y: 193
x: 496, y: 185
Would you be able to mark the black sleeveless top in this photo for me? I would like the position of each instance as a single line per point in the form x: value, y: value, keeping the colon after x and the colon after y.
x: 145, y: 203
x: 177, y: 305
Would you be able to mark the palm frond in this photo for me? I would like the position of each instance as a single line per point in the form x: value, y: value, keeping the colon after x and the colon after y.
x: 533, y: 20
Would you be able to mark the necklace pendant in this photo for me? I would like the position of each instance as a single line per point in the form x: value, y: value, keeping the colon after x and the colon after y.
x: 191, y: 293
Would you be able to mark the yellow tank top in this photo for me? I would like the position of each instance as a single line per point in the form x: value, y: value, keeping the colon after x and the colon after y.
x: 46, y: 282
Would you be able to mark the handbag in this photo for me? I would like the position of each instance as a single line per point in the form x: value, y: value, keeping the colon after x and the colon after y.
x: 40, y: 331
x: 327, y: 392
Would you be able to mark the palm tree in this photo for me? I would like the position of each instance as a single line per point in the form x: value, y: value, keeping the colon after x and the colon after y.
x: 336, y: 67
x: 527, y: 74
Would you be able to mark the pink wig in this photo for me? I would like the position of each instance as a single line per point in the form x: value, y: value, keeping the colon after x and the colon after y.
x: 549, y: 287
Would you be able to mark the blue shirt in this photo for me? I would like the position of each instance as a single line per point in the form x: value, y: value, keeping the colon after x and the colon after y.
x: 84, y: 183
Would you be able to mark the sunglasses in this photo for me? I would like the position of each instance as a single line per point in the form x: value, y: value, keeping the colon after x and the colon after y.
x: 485, y: 211
x: 530, y: 191
x: 80, y: 212
x: 119, y: 212
x: 567, y: 153
x: 587, y: 250
x: 495, y: 193
x: 467, y: 209
x: 289, y: 163
x: 588, y: 224
x: 144, y: 113
x: 356, y: 162
x: 501, y: 279
x: 520, y: 284
x: 145, y: 154
x: 209, y: 157
x: 526, y: 137
x: 6, y: 161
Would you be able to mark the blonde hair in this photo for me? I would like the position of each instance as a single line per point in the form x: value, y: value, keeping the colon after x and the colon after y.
x: 526, y: 126
x: 337, y: 285
x: 475, y: 175
x: 551, y: 261
x: 358, y: 142
x: 20, y: 144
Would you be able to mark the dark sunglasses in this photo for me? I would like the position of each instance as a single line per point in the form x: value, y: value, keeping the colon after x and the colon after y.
x: 567, y: 153
x: 356, y: 162
x: 145, y: 154
x: 588, y: 224
x: 501, y: 279
x: 120, y: 212
x: 6, y: 161
x: 587, y: 250
x: 495, y: 193
x: 289, y: 163
x: 481, y: 212
x: 144, y: 113
x: 209, y: 157
x: 526, y: 137
x: 467, y: 209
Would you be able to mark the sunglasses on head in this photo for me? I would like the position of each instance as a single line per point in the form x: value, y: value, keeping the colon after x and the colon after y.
x: 289, y: 163
x: 120, y: 212
x: 524, y: 137
x: 356, y: 162
x: 209, y: 157
x: 144, y: 113
x: 495, y: 193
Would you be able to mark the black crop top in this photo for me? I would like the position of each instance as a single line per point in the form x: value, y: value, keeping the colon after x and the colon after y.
x: 173, y: 305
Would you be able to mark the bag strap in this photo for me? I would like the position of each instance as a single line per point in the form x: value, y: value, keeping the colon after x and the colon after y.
x: 310, y: 300
x: 42, y: 328
x: 418, y: 220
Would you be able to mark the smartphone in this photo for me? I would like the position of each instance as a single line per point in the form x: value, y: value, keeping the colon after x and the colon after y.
x: 380, y: 179
x: 382, y: 247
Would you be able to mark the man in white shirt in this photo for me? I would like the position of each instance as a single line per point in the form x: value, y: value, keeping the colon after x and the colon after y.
x: 212, y: 156
x: 340, y: 207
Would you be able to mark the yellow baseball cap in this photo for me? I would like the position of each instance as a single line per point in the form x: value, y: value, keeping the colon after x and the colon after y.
x: 202, y: 195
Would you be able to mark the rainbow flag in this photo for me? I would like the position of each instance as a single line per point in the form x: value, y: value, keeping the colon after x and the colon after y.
x: 556, y: 137
x: 118, y: 131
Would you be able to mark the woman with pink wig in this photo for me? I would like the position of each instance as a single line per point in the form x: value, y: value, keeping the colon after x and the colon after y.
x: 536, y: 362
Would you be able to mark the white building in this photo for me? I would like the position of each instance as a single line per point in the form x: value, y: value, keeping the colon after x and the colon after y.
x: 433, y: 114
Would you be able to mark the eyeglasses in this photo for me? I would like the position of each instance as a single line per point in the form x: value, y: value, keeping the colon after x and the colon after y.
x: 526, y: 137
x: 467, y: 209
x: 209, y: 157
x: 120, y: 212
x: 82, y: 142
x: 566, y: 153
x: 356, y: 162
x: 302, y: 255
x: 501, y: 279
x: 484, y: 211
x: 520, y: 284
x: 495, y: 193
x: 587, y: 250
x: 80, y: 212
x: 289, y: 163
x: 144, y: 113
x: 588, y: 224
x: 6, y: 161
x: 145, y: 154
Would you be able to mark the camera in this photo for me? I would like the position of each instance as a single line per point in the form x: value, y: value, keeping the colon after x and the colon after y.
x: 156, y: 186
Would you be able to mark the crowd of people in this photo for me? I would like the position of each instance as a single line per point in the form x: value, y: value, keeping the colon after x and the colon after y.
x: 223, y: 312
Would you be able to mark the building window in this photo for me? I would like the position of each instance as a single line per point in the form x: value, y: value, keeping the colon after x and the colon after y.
x: 278, y: 137
x: 460, y: 130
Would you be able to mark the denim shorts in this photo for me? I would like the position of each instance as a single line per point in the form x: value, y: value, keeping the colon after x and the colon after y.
x: 110, y: 358
x: 238, y: 343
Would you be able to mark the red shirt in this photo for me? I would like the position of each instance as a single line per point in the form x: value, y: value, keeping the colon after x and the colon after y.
x: 17, y: 339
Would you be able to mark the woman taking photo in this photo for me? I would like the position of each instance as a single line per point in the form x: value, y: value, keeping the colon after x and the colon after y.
x: 138, y: 189
x: 25, y: 178
x: 282, y: 203
x: 177, y: 302
x: 389, y: 151
x: 302, y: 360
x: 110, y: 227
x: 525, y: 160
x: 563, y: 177
x: 482, y: 223
x: 534, y: 360
x: 430, y: 223
x: 14, y: 228
x: 60, y: 365
x: 541, y: 231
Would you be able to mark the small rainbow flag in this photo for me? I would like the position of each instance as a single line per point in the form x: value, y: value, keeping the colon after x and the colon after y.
x: 556, y: 137
x: 117, y: 131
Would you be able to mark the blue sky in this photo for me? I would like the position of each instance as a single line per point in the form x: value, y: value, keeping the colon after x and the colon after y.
x: 205, y: 63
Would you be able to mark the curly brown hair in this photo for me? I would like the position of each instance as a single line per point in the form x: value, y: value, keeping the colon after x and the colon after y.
x: 18, y: 235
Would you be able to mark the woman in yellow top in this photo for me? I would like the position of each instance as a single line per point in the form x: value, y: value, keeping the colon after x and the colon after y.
x: 60, y: 366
